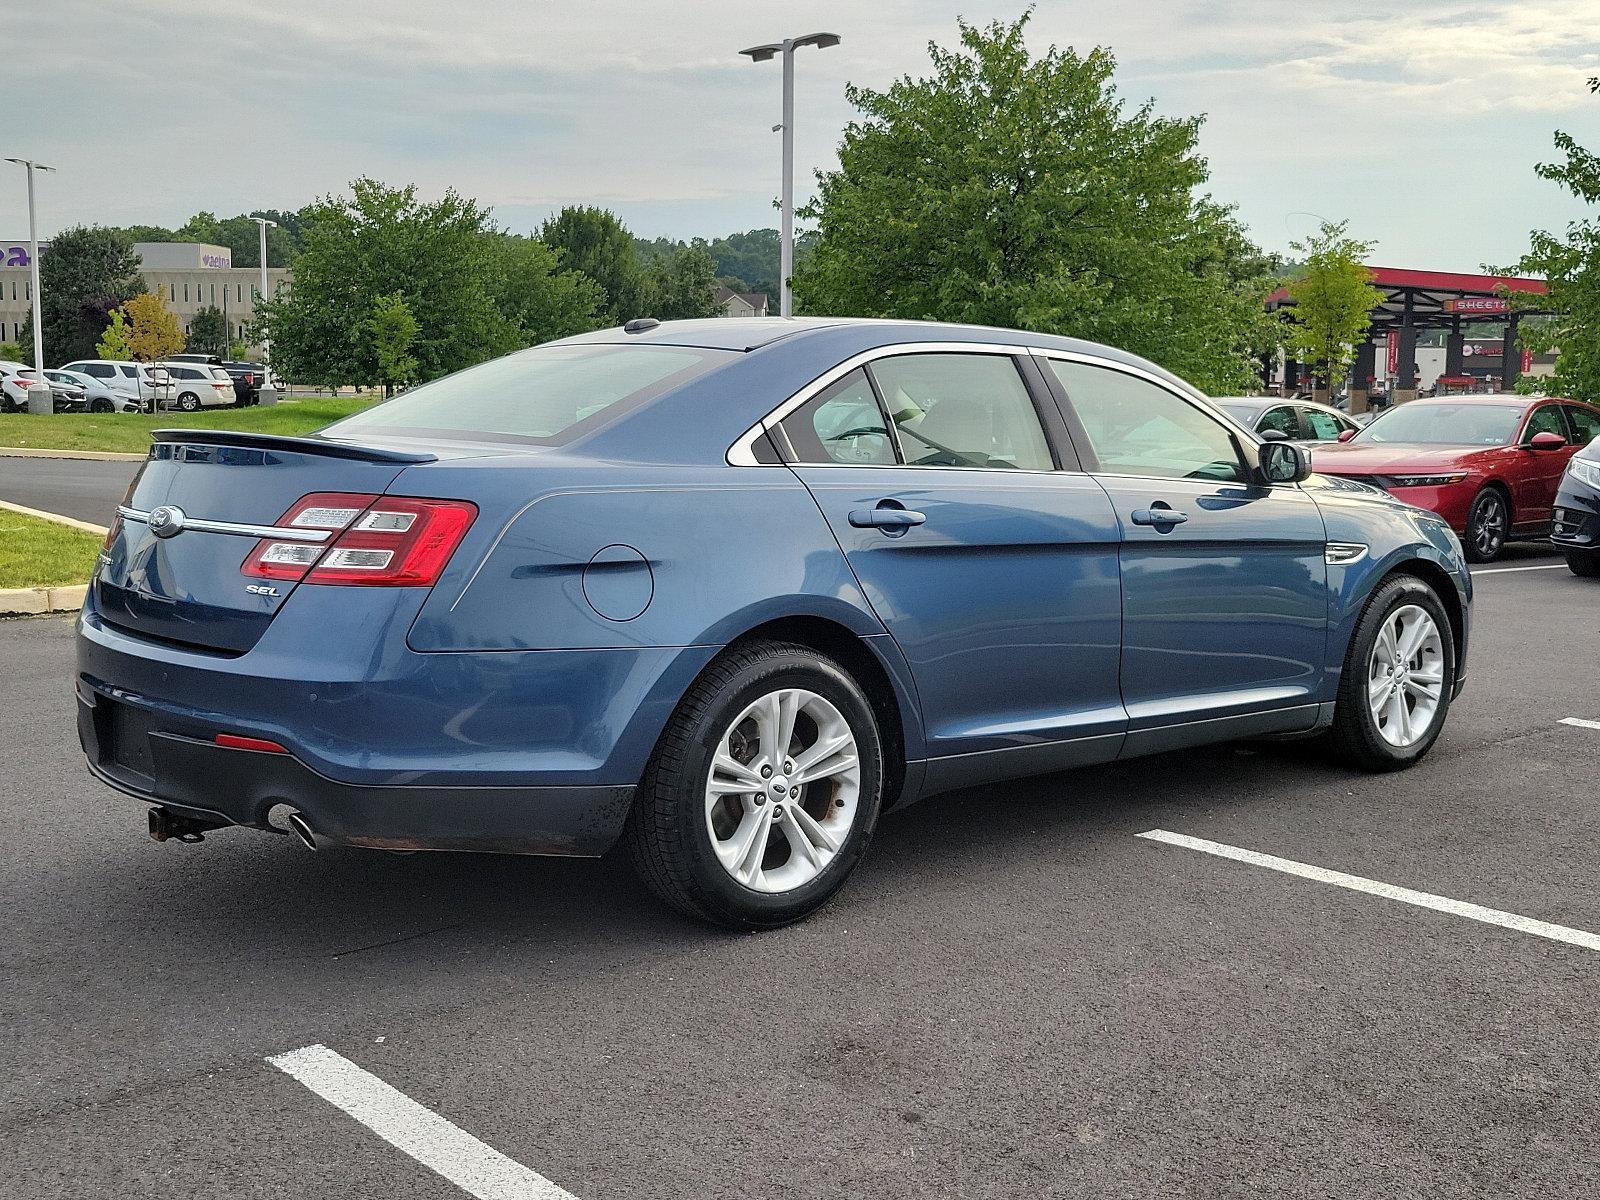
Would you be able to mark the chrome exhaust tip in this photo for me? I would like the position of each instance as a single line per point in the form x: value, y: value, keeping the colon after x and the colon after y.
x: 301, y: 828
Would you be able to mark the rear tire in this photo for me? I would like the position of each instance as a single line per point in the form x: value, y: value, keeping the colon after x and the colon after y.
x: 1387, y: 685
x: 1584, y: 563
x: 716, y: 850
x: 1488, y: 525
x: 189, y: 402
x: 101, y: 405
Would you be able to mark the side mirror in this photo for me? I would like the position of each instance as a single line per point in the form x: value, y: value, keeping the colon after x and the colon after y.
x: 1274, y: 435
x: 1547, y: 441
x: 1284, y: 462
x: 1346, y: 434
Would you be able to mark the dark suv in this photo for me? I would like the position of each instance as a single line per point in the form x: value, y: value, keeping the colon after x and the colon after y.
x: 247, y: 380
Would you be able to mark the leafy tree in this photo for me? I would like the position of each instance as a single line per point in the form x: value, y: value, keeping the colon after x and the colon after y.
x: 238, y: 351
x: 153, y: 329
x: 393, y: 328
x: 1333, y: 302
x: 13, y: 352
x: 208, y: 330
x: 87, y: 272
x: 377, y: 242
x: 1010, y: 190
x: 595, y: 242
x: 115, y: 343
x: 1570, y: 263
x: 538, y: 297
x: 685, y: 285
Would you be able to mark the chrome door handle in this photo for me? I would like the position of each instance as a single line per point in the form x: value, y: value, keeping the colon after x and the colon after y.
x: 1158, y: 516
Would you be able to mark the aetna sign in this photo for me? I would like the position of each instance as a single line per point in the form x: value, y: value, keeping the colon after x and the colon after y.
x: 15, y: 254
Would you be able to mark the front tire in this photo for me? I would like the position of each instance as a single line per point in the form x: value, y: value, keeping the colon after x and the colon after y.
x: 1399, y: 671
x: 101, y: 405
x: 764, y: 790
x: 1488, y: 524
x: 189, y: 402
x: 1584, y: 563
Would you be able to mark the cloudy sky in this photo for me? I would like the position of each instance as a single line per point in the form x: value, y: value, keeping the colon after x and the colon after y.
x: 1419, y: 122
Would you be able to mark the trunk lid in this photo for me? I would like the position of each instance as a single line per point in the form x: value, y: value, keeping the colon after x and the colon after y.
x: 187, y: 586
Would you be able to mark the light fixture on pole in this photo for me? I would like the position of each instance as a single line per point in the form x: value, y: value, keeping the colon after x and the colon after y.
x: 33, y: 262
x: 261, y: 225
x: 787, y: 47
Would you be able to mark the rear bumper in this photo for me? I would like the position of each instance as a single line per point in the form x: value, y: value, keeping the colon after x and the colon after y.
x: 223, y: 786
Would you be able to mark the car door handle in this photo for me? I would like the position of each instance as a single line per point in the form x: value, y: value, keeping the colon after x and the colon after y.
x: 1158, y: 516
x: 886, y: 516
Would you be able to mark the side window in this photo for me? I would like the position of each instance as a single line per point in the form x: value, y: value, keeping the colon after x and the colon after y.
x: 1585, y: 424
x: 1282, y: 418
x: 962, y: 410
x: 1324, y: 426
x: 841, y: 424
x: 1137, y: 428
x: 1546, y: 419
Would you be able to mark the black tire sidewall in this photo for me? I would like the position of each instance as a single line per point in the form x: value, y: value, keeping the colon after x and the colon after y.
x: 1584, y: 563
x: 1479, y: 503
x: 1361, y: 727
x: 723, y: 897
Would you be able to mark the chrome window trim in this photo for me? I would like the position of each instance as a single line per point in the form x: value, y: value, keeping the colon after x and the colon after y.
x: 235, y: 528
x: 742, y: 452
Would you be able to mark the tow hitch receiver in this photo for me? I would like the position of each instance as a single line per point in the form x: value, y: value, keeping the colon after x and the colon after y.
x: 167, y: 826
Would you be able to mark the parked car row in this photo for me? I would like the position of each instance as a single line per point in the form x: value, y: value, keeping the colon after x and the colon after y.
x: 188, y: 382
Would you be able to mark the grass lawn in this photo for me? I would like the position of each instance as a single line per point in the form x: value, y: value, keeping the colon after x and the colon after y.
x: 130, y: 432
x: 35, y: 553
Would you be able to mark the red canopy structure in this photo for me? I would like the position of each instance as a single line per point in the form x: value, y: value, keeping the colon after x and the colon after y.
x: 1416, y: 300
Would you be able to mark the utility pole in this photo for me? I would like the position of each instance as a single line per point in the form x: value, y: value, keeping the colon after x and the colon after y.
x: 33, y: 263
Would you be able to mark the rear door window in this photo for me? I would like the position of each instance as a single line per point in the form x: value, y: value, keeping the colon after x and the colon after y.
x: 962, y: 410
x: 1325, y: 426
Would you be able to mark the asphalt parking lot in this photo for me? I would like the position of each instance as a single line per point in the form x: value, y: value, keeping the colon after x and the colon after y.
x: 1016, y: 995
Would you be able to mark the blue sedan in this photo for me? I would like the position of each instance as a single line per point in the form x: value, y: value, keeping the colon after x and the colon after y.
x: 728, y: 590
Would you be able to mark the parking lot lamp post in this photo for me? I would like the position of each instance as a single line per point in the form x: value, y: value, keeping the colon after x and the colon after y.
x: 787, y: 47
x: 261, y: 225
x: 33, y: 261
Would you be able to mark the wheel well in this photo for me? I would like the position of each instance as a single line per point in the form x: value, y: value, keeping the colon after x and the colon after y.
x: 850, y: 652
x: 1444, y: 587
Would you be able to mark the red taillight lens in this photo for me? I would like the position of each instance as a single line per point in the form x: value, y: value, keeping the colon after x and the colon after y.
x: 382, y: 541
x: 111, y: 534
x: 232, y: 741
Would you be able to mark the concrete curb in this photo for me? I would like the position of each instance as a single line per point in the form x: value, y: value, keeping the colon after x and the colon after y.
x: 69, y: 522
x: 94, y: 455
x: 28, y: 601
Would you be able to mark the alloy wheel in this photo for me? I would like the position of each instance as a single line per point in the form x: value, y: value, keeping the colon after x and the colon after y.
x: 782, y: 792
x: 1489, y: 525
x: 1405, y: 676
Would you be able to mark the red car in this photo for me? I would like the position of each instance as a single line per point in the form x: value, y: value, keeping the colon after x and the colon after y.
x: 1489, y: 465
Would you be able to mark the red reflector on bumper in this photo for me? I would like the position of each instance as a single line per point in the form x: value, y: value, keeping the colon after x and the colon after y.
x: 233, y: 741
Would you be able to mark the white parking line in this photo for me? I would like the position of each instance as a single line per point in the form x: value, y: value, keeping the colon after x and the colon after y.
x: 1509, y: 570
x: 475, y: 1168
x: 1580, y: 723
x: 1355, y: 883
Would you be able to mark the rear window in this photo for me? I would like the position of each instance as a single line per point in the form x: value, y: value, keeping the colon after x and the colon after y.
x: 545, y: 396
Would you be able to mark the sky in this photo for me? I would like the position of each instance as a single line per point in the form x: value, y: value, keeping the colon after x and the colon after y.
x: 1419, y: 122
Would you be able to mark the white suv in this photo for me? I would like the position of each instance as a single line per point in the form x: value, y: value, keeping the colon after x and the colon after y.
x: 199, y: 386
x: 134, y: 383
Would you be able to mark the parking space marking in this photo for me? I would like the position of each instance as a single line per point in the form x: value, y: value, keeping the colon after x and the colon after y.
x: 477, y: 1169
x: 1509, y: 570
x: 1372, y: 887
x: 1580, y: 723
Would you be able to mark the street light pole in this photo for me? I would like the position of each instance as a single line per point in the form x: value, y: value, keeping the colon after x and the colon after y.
x: 33, y: 263
x: 261, y: 225
x: 787, y: 47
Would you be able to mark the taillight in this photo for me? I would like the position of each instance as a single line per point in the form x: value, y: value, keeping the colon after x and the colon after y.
x: 380, y: 541
x: 111, y: 534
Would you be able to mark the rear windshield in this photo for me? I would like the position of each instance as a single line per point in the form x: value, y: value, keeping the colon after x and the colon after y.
x: 546, y: 396
x: 1445, y: 425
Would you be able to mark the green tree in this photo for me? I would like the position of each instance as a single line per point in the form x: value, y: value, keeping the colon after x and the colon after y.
x: 208, y: 331
x: 595, y: 242
x: 1570, y: 264
x: 1333, y: 302
x: 115, y: 343
x: 685, y: 285
x: 13, y: 352
x: 153, y: 329
x: 87, y: 272
x: 1010, y: 190
x: 393, y: 328
x: 538, y: 297
x: 377, y: 242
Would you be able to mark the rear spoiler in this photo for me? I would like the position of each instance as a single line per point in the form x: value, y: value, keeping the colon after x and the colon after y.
x: 326, y: 447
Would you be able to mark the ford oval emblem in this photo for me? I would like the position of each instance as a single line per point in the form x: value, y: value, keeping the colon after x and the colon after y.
x: 166, y: 521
